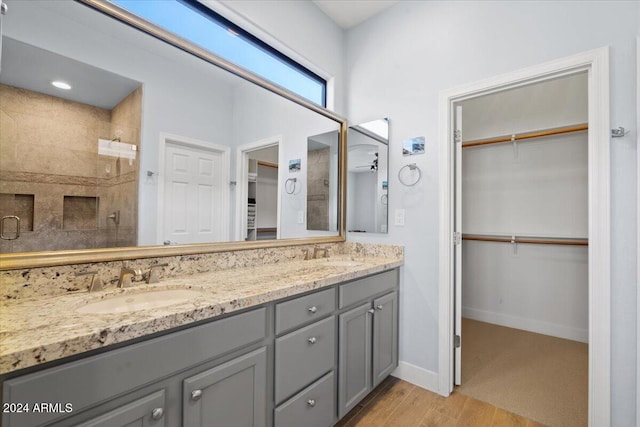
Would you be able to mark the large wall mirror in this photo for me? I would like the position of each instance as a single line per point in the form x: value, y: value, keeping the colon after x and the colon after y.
x: 154, y: 150
x: 368, y: 179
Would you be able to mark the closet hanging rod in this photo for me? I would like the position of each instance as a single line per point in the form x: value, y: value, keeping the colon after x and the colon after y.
x: 528, y: 239
x: 267, y: 164
x: 527, y: 135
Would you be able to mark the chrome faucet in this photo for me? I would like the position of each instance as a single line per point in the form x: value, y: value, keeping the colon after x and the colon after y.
x: 126, y: 274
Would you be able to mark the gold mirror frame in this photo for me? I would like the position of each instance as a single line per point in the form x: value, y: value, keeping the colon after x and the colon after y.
x: 80, y: 256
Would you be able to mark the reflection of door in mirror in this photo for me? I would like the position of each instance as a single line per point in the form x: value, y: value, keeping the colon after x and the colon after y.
x: 367, y: 192
x: 322, y: 159
x: 261, y: 220
x: 69, y: 157
x: 194, y: 186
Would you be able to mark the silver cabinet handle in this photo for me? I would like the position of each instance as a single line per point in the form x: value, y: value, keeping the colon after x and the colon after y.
x: 311, y: 402
x: 371, y: 311
x: 312, y: 340
x: 312, y: 309
x: 157, y: 413
x: 196, y: 395
x: 379, y: 307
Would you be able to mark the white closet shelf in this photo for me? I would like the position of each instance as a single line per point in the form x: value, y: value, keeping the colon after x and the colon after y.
x: 527, y: 239
x: 527, y: 135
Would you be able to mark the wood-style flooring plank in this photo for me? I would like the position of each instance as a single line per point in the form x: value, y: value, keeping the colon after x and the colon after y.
x: 503, y: 418
x: 380, y: 409
x: 397, y: 403
x: 476, y: 413
x: 413, y: 409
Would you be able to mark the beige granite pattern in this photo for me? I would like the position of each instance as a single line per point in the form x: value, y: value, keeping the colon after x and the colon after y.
x: 37, y: 330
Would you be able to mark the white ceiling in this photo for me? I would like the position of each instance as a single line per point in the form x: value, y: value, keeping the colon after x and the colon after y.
x: 32, y: 68
x: 349, y: 13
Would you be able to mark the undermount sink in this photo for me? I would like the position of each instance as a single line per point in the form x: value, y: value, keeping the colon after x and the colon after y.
x: 126, y: 303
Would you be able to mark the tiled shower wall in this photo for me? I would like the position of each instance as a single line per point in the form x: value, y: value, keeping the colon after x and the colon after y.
x: 49, y: 150
x: 318, y: 189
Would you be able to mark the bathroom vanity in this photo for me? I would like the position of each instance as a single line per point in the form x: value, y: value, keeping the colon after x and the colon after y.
x: 302, y: 346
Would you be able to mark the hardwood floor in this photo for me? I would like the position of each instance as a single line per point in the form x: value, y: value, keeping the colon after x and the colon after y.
x: 397, y: 403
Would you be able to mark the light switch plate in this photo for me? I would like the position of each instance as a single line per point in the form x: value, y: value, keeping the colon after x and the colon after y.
x: 399, y: 217
x: 300, y: 217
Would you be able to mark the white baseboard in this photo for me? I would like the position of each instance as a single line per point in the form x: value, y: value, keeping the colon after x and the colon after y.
x: 417, y: 375
x: 531, y: 325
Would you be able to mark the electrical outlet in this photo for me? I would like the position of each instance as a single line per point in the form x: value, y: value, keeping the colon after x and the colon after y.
x: 300, y: 217
x: 399, y: 217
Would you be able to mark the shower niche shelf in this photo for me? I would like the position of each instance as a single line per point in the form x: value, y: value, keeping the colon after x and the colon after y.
x: 80, y: 213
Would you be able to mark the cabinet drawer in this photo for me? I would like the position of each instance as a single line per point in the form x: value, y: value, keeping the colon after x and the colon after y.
x: 304, y: 355
x: 299, y: 311
x: 362, y: 289
x: 97, y: 378
x: 315, y: 406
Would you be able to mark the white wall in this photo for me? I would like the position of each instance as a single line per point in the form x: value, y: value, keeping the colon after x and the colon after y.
x: 396, y: 65
x: 261, y: 115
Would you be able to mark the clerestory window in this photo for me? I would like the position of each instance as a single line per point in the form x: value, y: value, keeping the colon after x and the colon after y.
x: 202, y: 26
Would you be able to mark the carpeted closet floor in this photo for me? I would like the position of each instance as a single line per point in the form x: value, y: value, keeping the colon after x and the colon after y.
x: 536, y: 376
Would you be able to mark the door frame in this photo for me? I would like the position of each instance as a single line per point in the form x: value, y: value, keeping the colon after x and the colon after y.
x: 596, y: 63
x: 242, y: 168
x: 201, y: 145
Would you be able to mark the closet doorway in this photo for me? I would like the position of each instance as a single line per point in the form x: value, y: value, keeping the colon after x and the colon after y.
x: 523, y: 210
x: 536, y: 231
x: 257, y: 201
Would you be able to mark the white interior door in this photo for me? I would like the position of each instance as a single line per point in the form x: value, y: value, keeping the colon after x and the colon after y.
x: 194, y: 202
x: 458, y: 248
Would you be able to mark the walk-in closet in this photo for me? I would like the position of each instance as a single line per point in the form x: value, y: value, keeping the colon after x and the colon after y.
x: 524, y: 213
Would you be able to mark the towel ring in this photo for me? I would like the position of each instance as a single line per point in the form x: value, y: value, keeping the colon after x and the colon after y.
x: 290, y: 185
x: 412, y: 167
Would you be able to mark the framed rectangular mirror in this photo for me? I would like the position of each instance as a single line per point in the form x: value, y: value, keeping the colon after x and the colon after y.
x: 368, y: 160
x: 148, y: 153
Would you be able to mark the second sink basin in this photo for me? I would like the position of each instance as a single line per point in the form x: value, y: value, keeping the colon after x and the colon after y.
x: 126, y: 303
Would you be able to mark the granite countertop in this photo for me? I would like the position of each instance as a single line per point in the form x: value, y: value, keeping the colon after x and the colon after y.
x: 41, y: 330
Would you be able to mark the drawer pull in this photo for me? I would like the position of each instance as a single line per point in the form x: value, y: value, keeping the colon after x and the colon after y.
x: 311, y: 402
x: 371, y: 311
x: 157, y: 413
x: 313, y: 309
x: 196, y: 395
x: 379, y: 307
x: 312, y: 340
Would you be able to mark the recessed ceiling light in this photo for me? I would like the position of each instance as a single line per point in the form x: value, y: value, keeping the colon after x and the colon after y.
x: 61, y: 85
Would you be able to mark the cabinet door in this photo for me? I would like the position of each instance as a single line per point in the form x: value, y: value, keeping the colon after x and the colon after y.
x: 231, y: 395
x: 385, y: 336
x: 355, y: 357
x: 145, y: 412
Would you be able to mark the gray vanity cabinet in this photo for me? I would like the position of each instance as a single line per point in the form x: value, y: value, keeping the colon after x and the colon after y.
x: 144, y: 412
x: 231, y: 395
x: 385, y: 336
x: 354, y: 357
x: 368, y: 331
